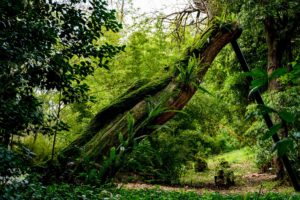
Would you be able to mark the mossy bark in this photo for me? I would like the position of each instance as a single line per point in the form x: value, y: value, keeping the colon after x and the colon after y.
x: 104, y: 131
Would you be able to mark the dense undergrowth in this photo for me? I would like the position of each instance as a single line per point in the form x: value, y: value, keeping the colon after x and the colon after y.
x: 65, y: 192
x: 242, y: 162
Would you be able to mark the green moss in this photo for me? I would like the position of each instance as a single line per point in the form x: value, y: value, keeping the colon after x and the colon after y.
x: 138, y: 92
x: 202, y: 41
x: 123, y: 103
x: 199, y: 45
x: 126, y: 102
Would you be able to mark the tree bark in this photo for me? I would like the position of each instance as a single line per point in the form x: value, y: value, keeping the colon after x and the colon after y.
x: 112, y: 132
x: 278, y: 38
x: 274, y: 56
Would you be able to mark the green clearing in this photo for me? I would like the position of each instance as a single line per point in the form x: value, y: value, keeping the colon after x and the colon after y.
x: 248, y: 178
x: 242, y: 162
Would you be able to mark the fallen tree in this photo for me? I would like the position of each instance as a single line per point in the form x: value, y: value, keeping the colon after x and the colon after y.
x: 139, y: 111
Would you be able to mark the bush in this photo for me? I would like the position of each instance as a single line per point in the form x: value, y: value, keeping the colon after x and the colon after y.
x: 200, y: 164
x: 11, y: 166
x: 159, y: 161
x: 224, y: 174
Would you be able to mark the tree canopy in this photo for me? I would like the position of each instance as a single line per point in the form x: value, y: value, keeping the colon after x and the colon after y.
x: 49, y: 45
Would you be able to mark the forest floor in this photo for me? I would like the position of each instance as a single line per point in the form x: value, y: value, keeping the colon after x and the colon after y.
x: 247, y: 177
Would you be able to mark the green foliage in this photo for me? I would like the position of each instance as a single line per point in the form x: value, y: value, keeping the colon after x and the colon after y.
x: 162, y: 157
x: 160, y: 194
x: 264, y: 156
x: 39, y: 43
x: 284, y: 108
x: 36, y: 190
x: 200, y: 164
x: 224, y: 174
x: 293, y: 75
x: 271, y: 132
x: 283, y: 146
x: 156, y: 160
x: 11, y: 167
x: 187, y: 73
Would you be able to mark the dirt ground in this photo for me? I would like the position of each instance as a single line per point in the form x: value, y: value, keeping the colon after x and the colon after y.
x: 254, y: 182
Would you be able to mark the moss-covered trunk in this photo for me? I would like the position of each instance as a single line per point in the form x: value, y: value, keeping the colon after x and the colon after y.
x: 115, y: 128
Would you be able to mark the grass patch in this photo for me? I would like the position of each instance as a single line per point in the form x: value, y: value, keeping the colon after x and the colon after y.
x: 241, y: 162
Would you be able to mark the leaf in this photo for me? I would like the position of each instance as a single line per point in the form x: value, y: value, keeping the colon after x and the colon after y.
x: 271, y: 132
x: 121, y: 138
x: 296, y: 135
x: 287, y: 116
x: 203, y: 89
x: 277, y: 73
x: 259, y: 82
x: 130, y: 124
x: 265, y: 109
x: 253, y: 90
x: 282, y: 146
x: 112, y: 153
x: 257, y: 73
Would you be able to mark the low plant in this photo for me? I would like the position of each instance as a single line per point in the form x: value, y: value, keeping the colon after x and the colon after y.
x: 224, y: 174
x: 11, y: 167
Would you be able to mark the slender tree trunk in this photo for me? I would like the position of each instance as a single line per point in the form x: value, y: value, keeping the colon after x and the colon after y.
x: 56, y: 126
x: 274, y: 50
x: 6, y: 140
x: 122, y: 14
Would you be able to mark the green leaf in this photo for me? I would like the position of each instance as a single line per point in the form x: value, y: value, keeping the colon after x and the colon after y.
x: 253, y: 90
x: 203, y: 89
x: 121, y: 138
x: 287, y: 116
x: 258, y: 82
x: 277, y: 73
x: 130, y: 124
x: 282, y: 146
x: 271, y: 132
x: 258, y: 73
x: 112, y: 153
x: 265, y: 109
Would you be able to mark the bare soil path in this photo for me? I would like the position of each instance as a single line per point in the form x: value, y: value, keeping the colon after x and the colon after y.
x: 255, y: 182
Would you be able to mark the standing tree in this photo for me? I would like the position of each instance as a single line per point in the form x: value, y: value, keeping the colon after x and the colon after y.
x: 279, y: 20
x: 38, y: 40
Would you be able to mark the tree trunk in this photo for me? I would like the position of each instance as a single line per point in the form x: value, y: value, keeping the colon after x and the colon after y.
x: 278, y: 47
x: 115, y: 128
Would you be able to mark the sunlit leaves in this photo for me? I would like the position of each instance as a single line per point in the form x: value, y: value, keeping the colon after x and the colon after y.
x: 187, y: 74
x: 37, y: 42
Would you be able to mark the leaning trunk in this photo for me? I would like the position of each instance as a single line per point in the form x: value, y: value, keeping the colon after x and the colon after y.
x: 114, y: 130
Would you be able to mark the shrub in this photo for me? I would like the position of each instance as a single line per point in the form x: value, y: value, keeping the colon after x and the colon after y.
x: 159, y: 161
x: 11, y: 166
x: 224, y: 174
x: 200, y: 164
